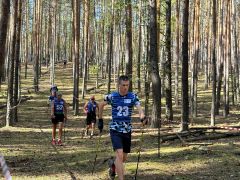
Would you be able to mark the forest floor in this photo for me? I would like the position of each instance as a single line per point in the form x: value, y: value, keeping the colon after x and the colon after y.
x: 29, y: 154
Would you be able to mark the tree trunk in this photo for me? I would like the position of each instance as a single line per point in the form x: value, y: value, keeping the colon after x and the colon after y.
x: 128, y: 58
x: 139, y: 47
x: 227, y: 61
x: 185, y: 103
x: 176, y: 96
x: 221, y: 50
x: 168, y: 64
x: 235, y: 52
x: 53, y: 40
x: 4, y: 19
x: 9, y: 115
x: 86, y: 53
x: 26, y: 36
x: 214, y: 25
x: 196, y: 49
x: 110, y: 51
x: 76, y: 55
x: 154, y: 70
x: 17, y: 60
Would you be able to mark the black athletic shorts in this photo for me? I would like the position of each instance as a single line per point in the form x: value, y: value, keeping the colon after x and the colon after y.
x: 121, y: 141
x: 58, y: 118
x: 91, y: 118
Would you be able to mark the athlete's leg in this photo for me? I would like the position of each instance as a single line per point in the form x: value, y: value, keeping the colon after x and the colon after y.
x: 119, y: 163
x: 60, y: 130
x: 93, y: 127
x: 54, y: 126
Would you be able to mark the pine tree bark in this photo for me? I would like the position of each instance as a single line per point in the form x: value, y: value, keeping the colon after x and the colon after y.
x: 185, y: 102
x: 176, y: 95
x: 139, y: 47
x: 129, y: 51
x: 168, y: 64
x: 76, y: 55
x: 9, y: 114
x: 4, y: 20
x: 17, y: 61
x: 110, y: 51
x: 154, y: 70
x: 27, y: 38
x: 214, y: 24
x: 227, y: 61
x: 86, y: 50
x: 235, y: 52
x: 52, y: 39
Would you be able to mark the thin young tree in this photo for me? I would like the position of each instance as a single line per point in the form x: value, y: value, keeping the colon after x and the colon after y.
x: 76, y: 56
x: 86, y: 48
x: 110, y: 49
x: 176, y: 96
x: 36, y: 35
x: 226, y: 60
x: 185, y: 102
x: 214, y: 25
x: 235, y: 51
x: 26, y: 36
x: 139, y: 57
x: 195, y: 61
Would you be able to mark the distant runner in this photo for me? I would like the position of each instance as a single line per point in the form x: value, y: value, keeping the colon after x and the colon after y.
x: 90, y: 108
x: 59, y: 116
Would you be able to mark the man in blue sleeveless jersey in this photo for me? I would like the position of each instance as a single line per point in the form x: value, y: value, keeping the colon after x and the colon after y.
x: 90, y: 109
x: 122, y: 103
x: 58, y: 115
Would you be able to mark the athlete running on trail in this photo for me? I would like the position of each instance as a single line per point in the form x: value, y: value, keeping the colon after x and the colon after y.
x: 58, y: 115
x: 122, y: 103
x: 90, y: 108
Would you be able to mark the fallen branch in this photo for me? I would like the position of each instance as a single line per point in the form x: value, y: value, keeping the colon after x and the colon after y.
x: 200, y: 144
x: 217, y: 127
x: 150, y: 129
x: 93, y: 88
x: 184, y: 143
x: 23, y: 99
x: 214, y: 136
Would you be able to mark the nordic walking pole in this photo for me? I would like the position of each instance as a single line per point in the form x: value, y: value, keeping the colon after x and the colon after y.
x: 144, y: 122
x: 159, y: 124
x: 95, y: 159
x: 100, y: 127
x: 64, y: 130
x: 65, y: 121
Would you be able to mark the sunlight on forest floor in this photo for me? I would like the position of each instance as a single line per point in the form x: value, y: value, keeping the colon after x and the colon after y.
x: 29, y: 154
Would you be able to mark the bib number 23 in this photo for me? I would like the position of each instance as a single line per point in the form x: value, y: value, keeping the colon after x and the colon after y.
x: 122, y: 111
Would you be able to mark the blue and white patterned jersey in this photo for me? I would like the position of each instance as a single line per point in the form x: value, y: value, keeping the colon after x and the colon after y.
x: 58, y: 106
x: 122, y: 107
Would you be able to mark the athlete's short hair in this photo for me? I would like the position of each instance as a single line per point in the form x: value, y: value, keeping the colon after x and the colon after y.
x: 122, y: 78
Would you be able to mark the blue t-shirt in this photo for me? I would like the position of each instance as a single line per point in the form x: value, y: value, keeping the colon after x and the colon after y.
x: 91, y: 107
x: 122, y: 107
x: 58, y: 106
